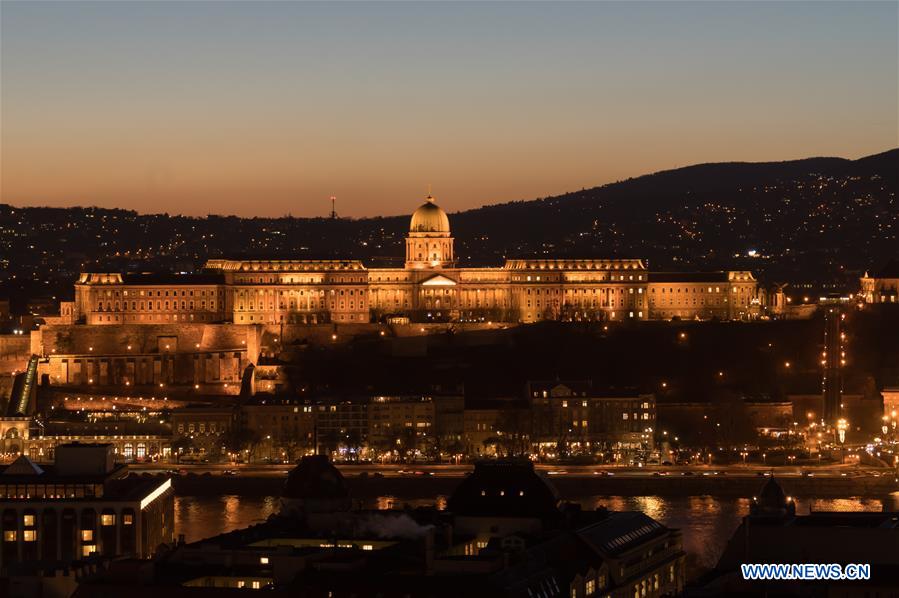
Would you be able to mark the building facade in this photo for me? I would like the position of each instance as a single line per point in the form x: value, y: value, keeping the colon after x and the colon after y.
x: 883, y: 286
x: 572, y: 416
x: 81, y: 505
x: 430, y: 287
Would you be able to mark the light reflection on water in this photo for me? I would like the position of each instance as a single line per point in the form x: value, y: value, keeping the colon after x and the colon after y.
x: 707, y: 522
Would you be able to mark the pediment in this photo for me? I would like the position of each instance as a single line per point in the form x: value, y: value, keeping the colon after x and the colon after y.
x: 438, y: 280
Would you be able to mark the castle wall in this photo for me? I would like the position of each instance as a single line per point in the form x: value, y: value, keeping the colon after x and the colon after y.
x: 15, y: 349
x: 209, y: 357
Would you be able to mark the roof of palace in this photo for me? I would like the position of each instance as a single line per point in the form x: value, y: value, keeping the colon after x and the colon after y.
x: 429, y: 218
x: 574, y: 264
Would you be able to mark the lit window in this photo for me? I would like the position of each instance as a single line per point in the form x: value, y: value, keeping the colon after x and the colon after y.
x: 9, y: 535
x: 127, y: 519
x: 263, y: 560
x: 107, y: 519
x: 255, y: 585
x: 88, y: 549
x: 29, y: 535
x: 28, y: 520
x: 87, y: 535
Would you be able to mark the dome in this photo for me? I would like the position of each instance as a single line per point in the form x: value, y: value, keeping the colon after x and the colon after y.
x: 772, y: 501
x: 314, y: 478
x: 429, y: 218
x: 506, y: 488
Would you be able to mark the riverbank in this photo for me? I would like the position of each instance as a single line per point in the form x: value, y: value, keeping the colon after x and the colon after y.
x: 367, y: 487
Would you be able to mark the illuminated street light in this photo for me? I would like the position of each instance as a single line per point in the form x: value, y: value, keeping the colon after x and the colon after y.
x: 842, y: 426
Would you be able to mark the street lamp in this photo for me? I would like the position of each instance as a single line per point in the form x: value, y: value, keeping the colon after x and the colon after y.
x: 842, y: 426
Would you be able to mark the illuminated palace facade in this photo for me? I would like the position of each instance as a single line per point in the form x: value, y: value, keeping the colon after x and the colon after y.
x: 430, y: 287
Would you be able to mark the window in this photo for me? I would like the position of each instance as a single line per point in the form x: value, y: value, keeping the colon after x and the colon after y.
x: 127, y: 519
x: 87, y: 535
x: 263, y: 560
x: 590, y: 587
x: 88, y: 549
x: 9, y: 535
x: 107, y: 519
x: 28, y: 520
x: 29, y: 535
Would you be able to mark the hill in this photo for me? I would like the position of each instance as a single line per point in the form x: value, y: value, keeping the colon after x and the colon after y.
x: 817, y: 220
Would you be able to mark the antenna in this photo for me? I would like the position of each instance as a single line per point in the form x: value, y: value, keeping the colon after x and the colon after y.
x: 333, y: 208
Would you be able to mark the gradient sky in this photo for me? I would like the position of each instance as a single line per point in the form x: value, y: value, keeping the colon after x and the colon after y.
x: 268, y: 108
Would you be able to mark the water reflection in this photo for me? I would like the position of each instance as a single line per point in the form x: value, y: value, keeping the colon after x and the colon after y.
x: 199, y: 517
x: 385, y: 503
x: 707, y: 522
x: 844, y: 504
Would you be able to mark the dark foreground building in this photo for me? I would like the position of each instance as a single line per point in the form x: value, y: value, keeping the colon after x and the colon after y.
x: 58, y: 520
x: 773, y: 533
x: 505, y: 533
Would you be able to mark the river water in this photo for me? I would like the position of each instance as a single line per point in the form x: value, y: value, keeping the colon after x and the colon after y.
x: 707, y: 522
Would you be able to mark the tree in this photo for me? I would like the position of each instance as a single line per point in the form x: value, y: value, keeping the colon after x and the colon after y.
x: 240, y: 440
x: 513, y: 429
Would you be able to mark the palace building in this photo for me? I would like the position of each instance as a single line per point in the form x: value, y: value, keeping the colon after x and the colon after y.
x: 430, y: 287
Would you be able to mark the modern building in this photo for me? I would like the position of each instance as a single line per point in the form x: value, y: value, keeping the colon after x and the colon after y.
x: 429, y: 287
x: 80, y: 505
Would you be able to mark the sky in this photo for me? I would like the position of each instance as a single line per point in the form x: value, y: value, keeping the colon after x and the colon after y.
x: 270, y: 108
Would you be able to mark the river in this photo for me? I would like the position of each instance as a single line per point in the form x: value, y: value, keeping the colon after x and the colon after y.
x: 707, y: 522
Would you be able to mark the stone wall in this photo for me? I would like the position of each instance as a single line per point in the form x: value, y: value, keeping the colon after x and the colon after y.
x: 209, y: 358
x: 15, y: 349
x: 143, y: 338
